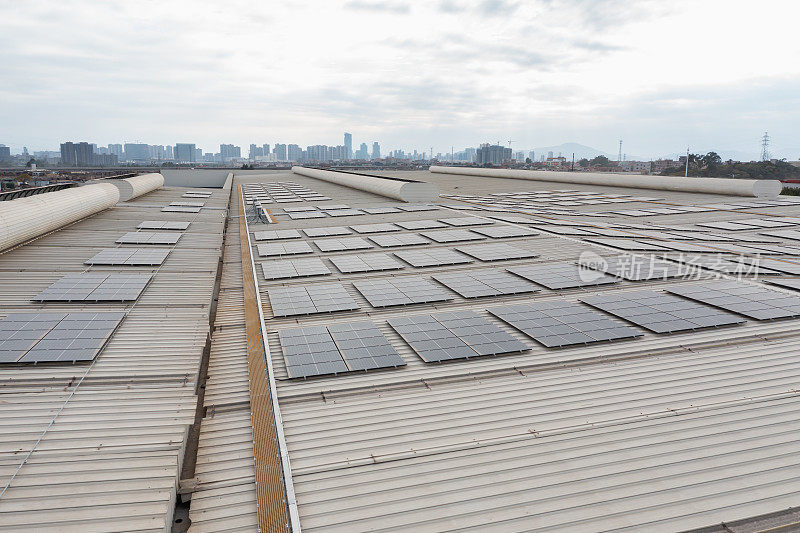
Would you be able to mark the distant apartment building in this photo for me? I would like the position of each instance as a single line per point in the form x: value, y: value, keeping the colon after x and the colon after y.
x: 317, y: 152
x: 280, y: 152
x: 376, y: 150
x: 82, y: 155
x: 228, y: 152
x: 185, y: 152
x: 634, y: 166
x: 362, y: 152
x: 660, y: 165
x: 5, y: 152
x: 348, y: 146
x: 137, y: 152
x: 255, y: 152
x: 294, y: 152
x: 116, y: 149
x: 493, y: 154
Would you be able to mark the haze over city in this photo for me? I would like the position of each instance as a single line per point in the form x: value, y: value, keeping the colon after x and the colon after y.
x: 411, y: 75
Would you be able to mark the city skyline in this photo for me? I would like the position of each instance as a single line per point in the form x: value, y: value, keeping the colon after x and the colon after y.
x: 710, y: 76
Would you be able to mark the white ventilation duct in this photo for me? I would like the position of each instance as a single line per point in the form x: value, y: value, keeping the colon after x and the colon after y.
x: 399, y: 189
x: 758, y: 188
x: 130, y: 188
x: 26, y: 218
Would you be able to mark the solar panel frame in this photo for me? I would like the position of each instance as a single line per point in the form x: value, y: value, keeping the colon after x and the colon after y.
x: 559, y: 323
x: 556, y: 276
x: 753, y: 301
x: 433, y: 257
x: 363, y: 346
x: 294, y: 268
x: 283, y: 248
x: 452, y: 235
x: 178, y: 209
x: 404, y: 290
x: 629, y: 267
x: 147, y: 237
x: 163, y: 225
x: 276, y: 235
x: 466, y: 221
x: 403, y: 239
x: 505, y: 232
x: 483, y: 283
x: 661, y: 312
x: 331, y: 231
x: 416, y: 225
x: 350, y: 264
x: 310, y: 299
x: 129, y: 257
x: 496, y: 252
x: 382, y: 227
x: 310, y: 351
x: 340, y: 245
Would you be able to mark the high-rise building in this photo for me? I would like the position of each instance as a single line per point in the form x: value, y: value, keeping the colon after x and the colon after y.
x: 266, y: 149
x: 376, y: 150
x: 255, y: 151
x: 82, y: 155
x: 280, y: 152
x: 317, y: 152
x: 294, y: 152
x: 185, y: 152
x: 68, y: 154
x: 5, y: 152
x: 116, y: 149
x: 229, y: 151
x: 137, y: 152
x: 492, y: 154
x: 168, y: 153
x: 362, y: 152
x: 198, y: 154
x: 348, y: 146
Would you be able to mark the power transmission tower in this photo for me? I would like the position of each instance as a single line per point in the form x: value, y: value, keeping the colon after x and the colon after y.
x: 765, y: 147
x: 619, y: 157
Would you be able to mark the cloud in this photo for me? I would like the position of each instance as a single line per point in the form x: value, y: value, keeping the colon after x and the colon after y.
x: 497, y: 7
x: 378, y: 6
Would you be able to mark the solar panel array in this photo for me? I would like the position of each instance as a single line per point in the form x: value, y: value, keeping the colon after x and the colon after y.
x: 417, y: 207
x: 129, y: 257
x: 380, y: 210
x: 403, y: 239
x: 454, y: 335
x: 453, y: 235
x: 561, y: 323
x: 374, y: 228
x: 466, y: 221
x: 787, y: 283
x: 481, y: 283
x: 339, y: 348
x: 332, y: 231
x: 436, y: 257
x: 95, y: 287
x: 187, y: 204
x: 179, y: 209
x: 416, y: 225
x: 147, y: 237
x: 503, y: 232
x: 562, y: 275
x: 746, y: 299
x: 55, y: 337
x: 496, y: 252
x: 348, y: 264
x: 294, y: 268
x: 163, y: 224
x: 661, y: 312
x: 312, y: 299
x: 283, y: 248
x: 400, y: 291
x: 635, y: 268
x: 279, y: 192
x: 276, y: 235
x: 340, y: 245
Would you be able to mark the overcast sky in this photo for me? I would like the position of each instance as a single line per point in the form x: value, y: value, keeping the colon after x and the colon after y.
x: 710, y: 74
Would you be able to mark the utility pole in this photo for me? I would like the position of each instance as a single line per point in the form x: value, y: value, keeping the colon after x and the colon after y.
x: 686, y: 174
x: 573, y: 162
x: 765, y: 147
x: 619, y: 157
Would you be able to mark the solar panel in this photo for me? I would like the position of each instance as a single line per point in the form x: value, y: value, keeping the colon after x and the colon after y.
x: 128, y: 256
x: 496, y: 252
x: 791, y: 234
x: 777, y: 265
x: 348, y: 264
x: 55, y: 337
x: 692, y: 263
x: 283, y: 248
x: 788, y: 283
x: 513, y: 219
x: 562, y: 275
x: 635, y: 268
x: 661, y: 312
x: 406, y: 239
x: 561, y: 323
x: 363, y: 346
x: 306, y: 214
x: 628, y: 244
x: 275, y: 235
x: 400, y: 291
x: 310, y: 351
x: 731, y: 226
x: 503, y: 232
x: 334, y: 207
x: 95, y: 287
x: 344, y: 212
x: 466, y: 221
x: 327, y: 232
x: 453, y: 235
x: 752, y: 301
x: 163, y: 224
x: 177, y: 209
x: 299, y: 209
x: 426, y: 258
x: 294, y: 268
x: 456, y: 335
x: 417, y: 207
x: 480, y: 283
x: 310, y: 299
x: 765, y: 222
x: 187, y: 204
x: 420, y: 224
x: 565, y: 230
x: 374, y: 228
x: 338, y: 245
x: 147, y: 237
x: 380, y: 210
